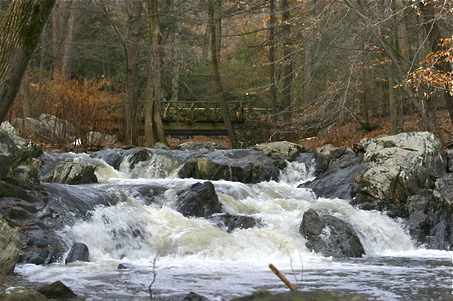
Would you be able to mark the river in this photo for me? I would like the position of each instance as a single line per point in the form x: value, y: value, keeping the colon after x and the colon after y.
x: 185, y: 255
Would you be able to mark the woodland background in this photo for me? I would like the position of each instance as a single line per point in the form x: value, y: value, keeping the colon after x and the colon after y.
x: 336, y: 70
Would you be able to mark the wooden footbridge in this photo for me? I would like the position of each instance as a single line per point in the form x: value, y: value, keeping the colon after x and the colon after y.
x: 205, y: 117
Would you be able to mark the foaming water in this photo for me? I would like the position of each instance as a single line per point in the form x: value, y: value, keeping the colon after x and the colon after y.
x: 194, y: 254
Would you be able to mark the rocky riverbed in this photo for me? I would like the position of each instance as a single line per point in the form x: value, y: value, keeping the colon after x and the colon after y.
x: 408, y: 176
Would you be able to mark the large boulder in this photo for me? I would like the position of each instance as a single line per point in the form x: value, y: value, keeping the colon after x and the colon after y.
x: 245, y: 166
x: 9, y: 247
x: 72, y: 172
x: 199, y: 201
x: 396, y: 167
x: 330, y: 235
x: 48, y: 128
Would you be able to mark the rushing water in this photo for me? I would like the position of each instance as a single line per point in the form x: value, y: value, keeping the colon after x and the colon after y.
x: 193, y: 254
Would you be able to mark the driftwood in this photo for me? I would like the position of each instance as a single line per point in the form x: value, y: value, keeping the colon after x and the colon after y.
x: 282, y: 278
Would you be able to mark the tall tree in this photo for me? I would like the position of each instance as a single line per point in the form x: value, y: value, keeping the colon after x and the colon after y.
x: 216, y: 74
x: 19, y: 33
x: 154, y: 129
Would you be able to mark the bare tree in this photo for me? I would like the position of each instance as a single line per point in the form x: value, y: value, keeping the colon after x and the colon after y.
x: 129, y: 35
x: 19, y: 33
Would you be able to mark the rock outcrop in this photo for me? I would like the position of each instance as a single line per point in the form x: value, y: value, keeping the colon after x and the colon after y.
x: 396, y: 167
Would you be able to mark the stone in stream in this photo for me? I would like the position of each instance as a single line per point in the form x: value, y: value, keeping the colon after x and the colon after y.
x: 199, y: 201
x: 78, y: 252
x: 57, y: 290
x: 330, y: 236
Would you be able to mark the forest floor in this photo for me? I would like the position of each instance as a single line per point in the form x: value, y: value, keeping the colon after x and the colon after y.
x: 345, y: 135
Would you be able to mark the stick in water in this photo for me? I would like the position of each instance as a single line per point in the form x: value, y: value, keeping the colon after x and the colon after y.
x: 282, y: 278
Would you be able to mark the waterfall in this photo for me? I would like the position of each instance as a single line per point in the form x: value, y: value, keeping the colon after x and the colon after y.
x: 134, y: 229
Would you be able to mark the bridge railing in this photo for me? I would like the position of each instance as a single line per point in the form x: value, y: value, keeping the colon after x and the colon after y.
x: 190, y: 111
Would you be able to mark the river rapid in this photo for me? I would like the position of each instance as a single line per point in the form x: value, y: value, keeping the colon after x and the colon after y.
x: 182, y: 255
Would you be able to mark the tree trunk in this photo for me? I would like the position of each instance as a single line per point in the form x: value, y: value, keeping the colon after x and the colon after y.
x: 393, y: 106
x: 68, y: 44
x: 287, y: 64
x: 25, y: 96
x: 154, y: 130
x: 19, y: 33
x: 273, y: 83
x: 132, y: 50
x: 216, y: 75
x: 60, y: 20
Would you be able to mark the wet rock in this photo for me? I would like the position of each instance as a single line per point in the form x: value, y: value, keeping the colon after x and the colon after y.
x: 26, y: 174
x: 78, y: 252
x: 111, y: 156
x: 41, y: 246
x: 230, y: 222
x: 72, y: 172
x: 194, y: 297
x: 23, y: 294
x: 430, y: 221
x: 396, y: 167
x: 330, y: 235
x: 245, y: 166
x: 9, y: 247
x: 140, y: 155
x: 336, y: 184
x: 124, y: 266
x: 199, y: 201
x: 312, y: 161
x: 57, y: 290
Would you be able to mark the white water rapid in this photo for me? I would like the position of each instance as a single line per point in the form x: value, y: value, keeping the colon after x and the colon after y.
x: 193, y: 254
